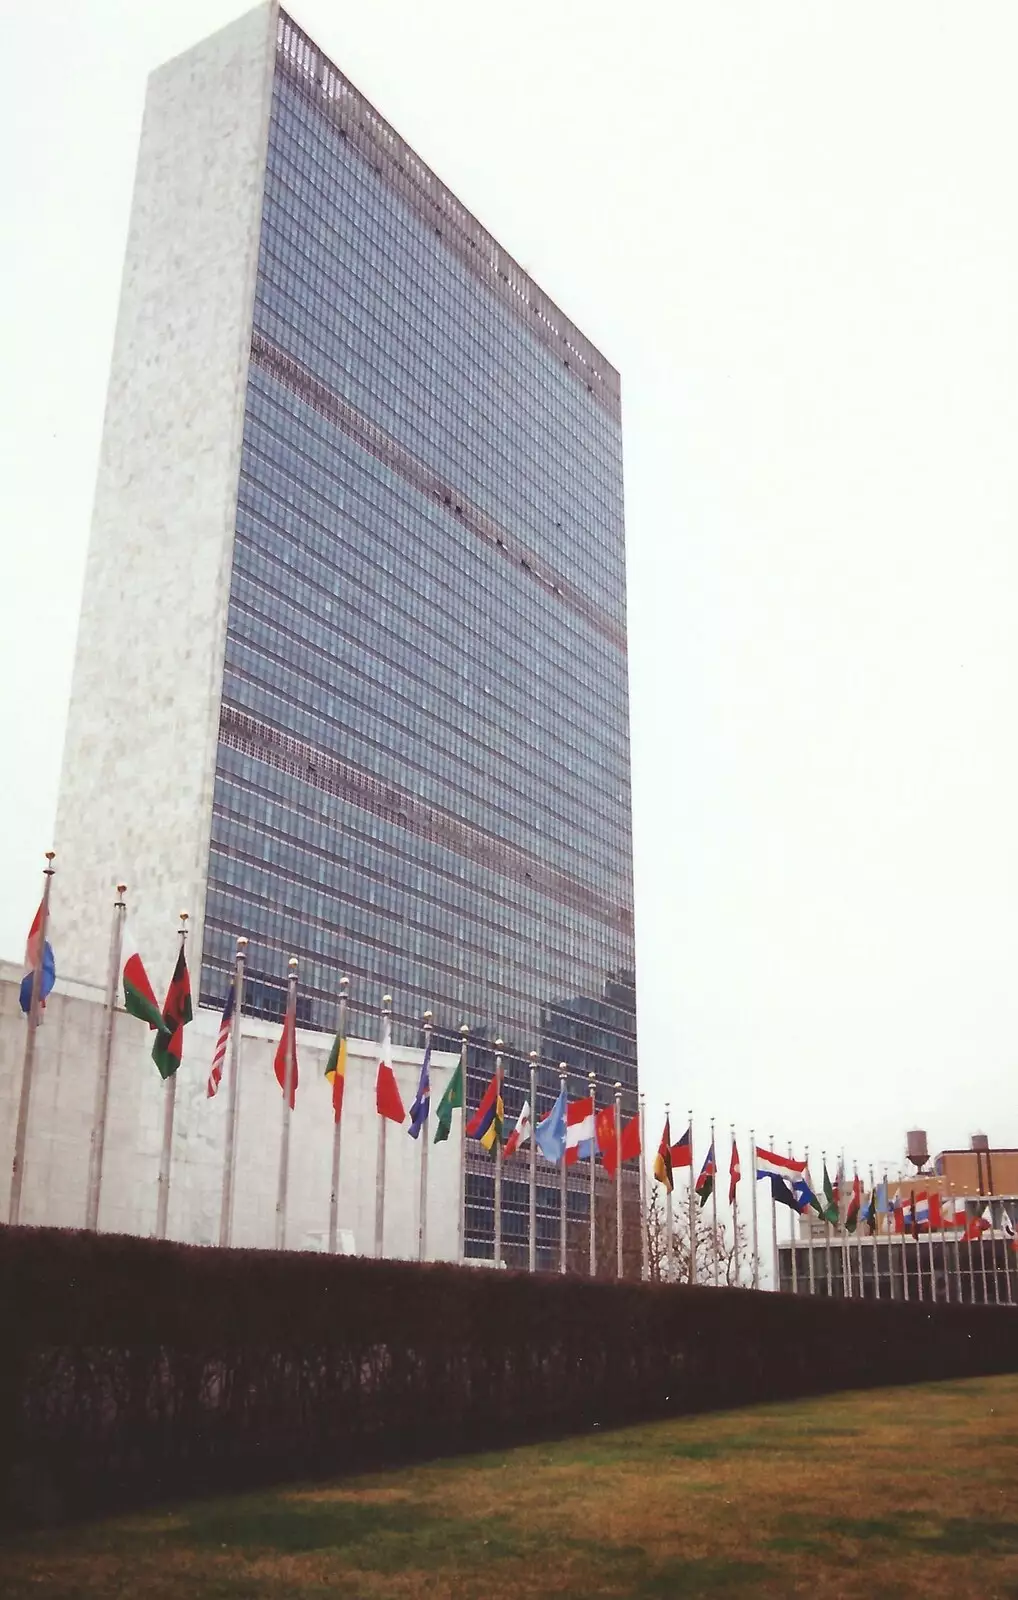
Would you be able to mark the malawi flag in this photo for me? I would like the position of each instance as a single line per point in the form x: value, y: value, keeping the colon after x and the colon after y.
x: 705, y: 1182
x: 452, y: 1100
x: 168, y: 1049
x: 663, y: 1159
x: 335, y: 1073
x: 139, y: 997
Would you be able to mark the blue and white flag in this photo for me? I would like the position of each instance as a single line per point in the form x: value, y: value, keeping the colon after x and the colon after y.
x: 420, y: 1107
x: 551, y: 1130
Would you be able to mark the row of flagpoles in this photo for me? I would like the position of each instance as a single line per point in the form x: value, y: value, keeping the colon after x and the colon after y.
x: 573, y: 1130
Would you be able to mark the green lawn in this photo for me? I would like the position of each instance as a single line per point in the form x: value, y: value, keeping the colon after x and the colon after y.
x: 899, y: 1492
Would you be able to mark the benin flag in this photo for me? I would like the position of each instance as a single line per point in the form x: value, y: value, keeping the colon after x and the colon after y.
x: 335, y: 1073
x: 169, y: 1044
x: 139, y: 998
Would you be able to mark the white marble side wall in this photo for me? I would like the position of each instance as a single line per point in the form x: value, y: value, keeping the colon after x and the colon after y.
x: 63, y: 1098
x: 136, y: 786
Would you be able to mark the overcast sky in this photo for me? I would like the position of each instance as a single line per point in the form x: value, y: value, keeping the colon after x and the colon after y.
x: 793, y: 229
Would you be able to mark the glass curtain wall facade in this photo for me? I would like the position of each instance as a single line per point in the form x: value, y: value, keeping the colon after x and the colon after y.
x: 422, y: 775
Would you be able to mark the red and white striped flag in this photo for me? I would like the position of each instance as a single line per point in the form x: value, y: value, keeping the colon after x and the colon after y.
x: 216, y: 1075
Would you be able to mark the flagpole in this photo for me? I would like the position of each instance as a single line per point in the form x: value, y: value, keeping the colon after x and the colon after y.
x: 169, y: 1108
x: 562, y: 1074
x: 859, y: 1221
x: 618, y: 1180
x: 102, y: 1087
x: 792, y: 1218
x: 774, y: 1232
x: 959, y: 1287
x: 462, y: 1228
x: 714, y: 1201
x: 532, y: 1217
x: 993, y: 1243
x: 756, y: 1236
x: 499, y: 1047
x: 890, y: 1213
x: 692, y: 1206
x: 812, y: 1264
x: 1007, y: 1255
x: 874, y: 1235
x: 337, y: 1123
x: 846, y: 1254
x: 422, y: 1208
x: 644, y: 1242
x: 735, y: 1208
x: 35, y: 1007
x: 827, y: 1234
x: 669, y: 1221
x: 233, y: 1100
x: 290, y: 1024
x: 382, y: 1125
x: 945, y: 1258
x: 904, y: 1243
x: 929, y: 1240
x: 592, y: 1081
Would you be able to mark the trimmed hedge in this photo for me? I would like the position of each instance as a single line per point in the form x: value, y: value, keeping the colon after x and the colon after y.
x: 132, y: 1371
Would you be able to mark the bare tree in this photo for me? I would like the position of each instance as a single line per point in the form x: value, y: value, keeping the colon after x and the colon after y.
x: 662, y: 1252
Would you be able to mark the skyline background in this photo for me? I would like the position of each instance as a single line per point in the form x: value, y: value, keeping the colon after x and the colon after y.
x: 795, y: 235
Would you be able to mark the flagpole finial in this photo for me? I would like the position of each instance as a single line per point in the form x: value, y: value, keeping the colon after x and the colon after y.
x: 464, y: 1032
x: 292, y: 964
x: 427, y: 1019
x: 183, y: 916
x: 563, y: 1070
x: 387, y: 1002
x: 121, y: 890
x: 50, y: 856
x: 618, y: 1086
x: 344, y: 984
x: 591, y: 1076
x: 534, y: 1057
x: 241, y: 945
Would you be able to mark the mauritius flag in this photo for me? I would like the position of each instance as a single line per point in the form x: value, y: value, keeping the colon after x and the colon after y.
x: 486, y: 1122
x: 139, y: 997
x: 48, y: 975
x: 168, y: 1048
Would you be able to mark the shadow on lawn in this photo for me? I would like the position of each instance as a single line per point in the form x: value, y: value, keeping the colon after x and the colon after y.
x: 911, y: 1530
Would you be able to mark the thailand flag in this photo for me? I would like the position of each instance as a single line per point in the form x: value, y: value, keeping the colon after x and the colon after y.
x: 579, y: 1130
x: 49, y: 971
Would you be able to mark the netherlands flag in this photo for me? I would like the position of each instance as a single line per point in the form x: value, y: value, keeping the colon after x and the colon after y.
x: 579, y: 1130
x: 770, y: 1165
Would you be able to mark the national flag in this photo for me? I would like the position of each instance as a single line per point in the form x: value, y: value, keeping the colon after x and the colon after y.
x: 705, y: 1182
x: 452, y: 1100
x: 830, y: 1206
x: 987, y: 1219
x: 579, y: 1130
x: 139, y: 997
x: 48, y: 975
x: 974, y: 1227
x: 734, y: 1174
x: 783, y: 1192
x: 168, y: 1047
x: 882, y: 1201
x: 910, y: 1215
x: 802, y: 1188
x: 870, y: 1214
x: 811, y: 1194
x: 606, y: 1143
x: 521, y: 1133
x: 770, y: 1165
x: 486, y: 1122
x: 854, y: 1205
x: 388, y: 1102
x: 335, y: 1073
x: 663, y: 1159
x: 551, y: 1130
x: 287, y: 1042
x: 219, y: 1054
x: 1007, y: 1228
x: 682, y: 1151
x: 422, y: 1104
